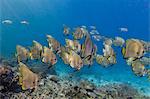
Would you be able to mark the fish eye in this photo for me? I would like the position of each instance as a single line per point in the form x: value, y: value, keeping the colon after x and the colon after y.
x: 143, y: 51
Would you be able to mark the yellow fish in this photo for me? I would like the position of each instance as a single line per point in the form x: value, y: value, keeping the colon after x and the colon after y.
x: 53, y: 44
x: 88, y: 51
x: 66, y: 30
x: 79, y: 33
x: 75, y: 60
x: 36, y: 50
x: 65, y: 57
x: 134, y: 48
x: 22, y: 53
x: 138, y: 68
x: 71, y: 58
x: 74, y: 45
x: 27, y: 79
x: 48, y: 56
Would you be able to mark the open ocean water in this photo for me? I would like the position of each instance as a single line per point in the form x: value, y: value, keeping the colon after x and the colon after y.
x: 48, y: 17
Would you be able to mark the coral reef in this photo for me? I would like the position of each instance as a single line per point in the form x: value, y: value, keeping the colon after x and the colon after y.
x: 8, y: 79
x: 56, y: 88
x: 25, y: 83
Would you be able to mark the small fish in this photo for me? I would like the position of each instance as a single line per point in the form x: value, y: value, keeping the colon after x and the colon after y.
x: 65, y: 56
x: 66, y: 30
x: 79, y: 33
x: 36, y: 50
x: 96, y: 37
x: 123, y: 29
x: 27, y: 79
x: 112, y: 59
x: 108, y: 41
x: 7, y: 22
x: 53, y: 44
x: 138, y: 68
x: 48, y: 56
x: 134, y: 48
x: 24, y: 22
x: 73, y: 44
x: 92, y: 27
x: 118, y: 41
x: 100, y: 59
x: 92, y: 32
x: 108, y: 50
x: 83, y: 26
x: 22, y: 53
x: 87, y: 50
x: 75, y: 60
x: 109, y: 56
x: 71, y: 58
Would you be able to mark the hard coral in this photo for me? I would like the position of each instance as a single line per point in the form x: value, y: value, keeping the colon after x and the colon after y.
x: 8, y: 81
x: 27, y: 79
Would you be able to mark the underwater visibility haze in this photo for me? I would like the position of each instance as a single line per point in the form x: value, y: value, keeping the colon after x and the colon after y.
x: 111, y: 32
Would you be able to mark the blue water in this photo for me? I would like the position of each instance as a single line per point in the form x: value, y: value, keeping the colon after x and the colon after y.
x: 48, y: 16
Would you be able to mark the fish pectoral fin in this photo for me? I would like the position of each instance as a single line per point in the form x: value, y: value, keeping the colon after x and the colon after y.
x: 123, y: 51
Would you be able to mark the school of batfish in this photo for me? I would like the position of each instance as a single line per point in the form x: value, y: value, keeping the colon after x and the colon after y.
x: 78, y: 54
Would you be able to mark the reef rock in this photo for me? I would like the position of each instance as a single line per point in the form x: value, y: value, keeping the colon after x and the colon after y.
x: 8, y: 79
